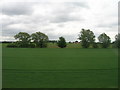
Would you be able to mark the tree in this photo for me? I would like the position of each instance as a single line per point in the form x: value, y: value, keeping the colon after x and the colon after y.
x: 40, y: 39
x: 87, y: 37
x: 117, y: 41
x: 104, y: 40
x: 24, y: 39
x: 62, y: 43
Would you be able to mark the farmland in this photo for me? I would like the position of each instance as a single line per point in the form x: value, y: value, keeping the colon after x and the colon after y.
x: 59, y: 68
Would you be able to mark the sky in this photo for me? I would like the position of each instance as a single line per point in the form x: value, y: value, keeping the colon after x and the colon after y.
x: 58, y: 18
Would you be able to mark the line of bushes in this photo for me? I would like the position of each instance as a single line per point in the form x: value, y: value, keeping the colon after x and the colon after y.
x: 16, y: 45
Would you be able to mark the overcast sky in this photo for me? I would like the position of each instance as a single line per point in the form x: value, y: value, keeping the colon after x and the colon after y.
x: 59, y: 17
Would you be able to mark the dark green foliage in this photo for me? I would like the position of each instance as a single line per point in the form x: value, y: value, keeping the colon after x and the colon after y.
x: 85, y: 44
x: 40, y: 39
x: 24, y: 39
x: 12, y: 45
x: 94, y: 45
x: 62, y: 43
x: 114, y: 45
x: 22, y: 45
x: 87, y: 37
x: 53, y: 41
x: 43, y: 44
x: 32, y: 45
x: 104, y: 40
x: 117, y: 41
x: 19, y: 45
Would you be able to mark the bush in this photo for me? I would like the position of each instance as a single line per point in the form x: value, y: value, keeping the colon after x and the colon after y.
x: 43, y: 45
x: 32, y: 45
x: 22, y: 45
x: 12, y: 45
x: 62, y: 43
x: 95, y: 45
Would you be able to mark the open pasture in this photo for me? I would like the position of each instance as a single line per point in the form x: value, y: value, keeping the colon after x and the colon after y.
x: 59, y: 68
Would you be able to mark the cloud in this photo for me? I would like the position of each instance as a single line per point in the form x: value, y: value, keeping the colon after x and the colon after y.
x: 109, y: 25
x: 67, y: 12
x: 63, y: 18
x: 14, y: 8
x: 78, y: 4
x: 60, y: 25
x: 9, y: 31
x: 58, y: 12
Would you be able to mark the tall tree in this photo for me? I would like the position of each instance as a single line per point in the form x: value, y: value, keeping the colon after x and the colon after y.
x: 24, y: 39
x: 104, y: 40
x: 87, y: 37
x: 40, y: 39
x: 117, y: 40
x: 62, y: 42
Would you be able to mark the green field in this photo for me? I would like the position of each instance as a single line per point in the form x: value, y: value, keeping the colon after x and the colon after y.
x: 59, y: 68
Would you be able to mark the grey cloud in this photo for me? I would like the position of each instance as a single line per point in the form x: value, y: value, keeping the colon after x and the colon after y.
x: 78, y: 4
x: 65, y: 14
x: 62, y: 19
x: 60, y: 25
x: 58, y: 15
x: 104, y: 25
x: 12, y: 31
x: 9, y: 32
x: 7, y: 22
x: 17, y: 8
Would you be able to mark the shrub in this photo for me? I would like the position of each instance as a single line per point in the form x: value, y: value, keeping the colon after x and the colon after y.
x: 62, y: 42
x: 32, y: 45
x: 12, y: 45
x: 43, y: 45
x: 95, y: 45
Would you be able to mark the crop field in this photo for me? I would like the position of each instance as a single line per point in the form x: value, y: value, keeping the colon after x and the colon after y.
x: 59, y: 68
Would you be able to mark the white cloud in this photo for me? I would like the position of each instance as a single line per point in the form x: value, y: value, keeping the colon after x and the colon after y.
x: 59, y: 17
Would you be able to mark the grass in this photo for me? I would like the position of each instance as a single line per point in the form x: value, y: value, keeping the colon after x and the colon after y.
x: 59, y: 68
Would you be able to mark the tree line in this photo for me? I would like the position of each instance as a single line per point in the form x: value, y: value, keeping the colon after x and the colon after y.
x: 86, y: 37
